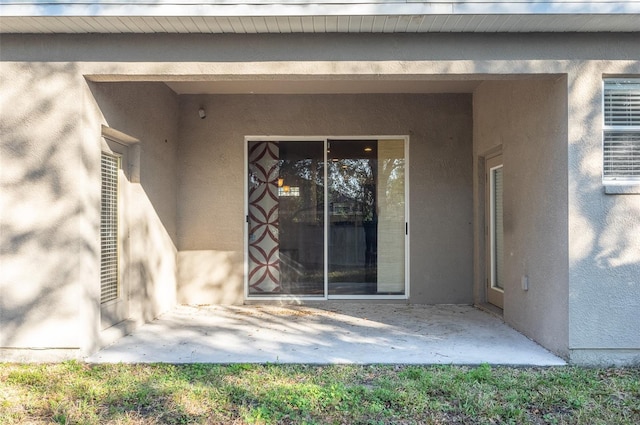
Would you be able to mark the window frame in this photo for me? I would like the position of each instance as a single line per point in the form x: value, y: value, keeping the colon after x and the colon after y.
x: 115, y: 312
x: 326, y: 139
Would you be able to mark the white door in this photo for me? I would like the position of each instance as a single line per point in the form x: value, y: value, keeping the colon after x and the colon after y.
x: 495, y: 230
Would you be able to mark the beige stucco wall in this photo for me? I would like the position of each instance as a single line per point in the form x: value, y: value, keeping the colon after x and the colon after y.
x: 604, y: 234
x: 46, y: 201
x: 50, y: 174
x: 189, y: 57
x: 49, y: 152
x: 528, y: 119
x: 147, y: 113
x: 211, y: 192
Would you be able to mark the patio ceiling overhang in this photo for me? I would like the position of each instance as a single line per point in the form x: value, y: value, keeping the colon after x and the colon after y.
x: 313, y: 85
x: 322, y: 86
x: 305, y: 16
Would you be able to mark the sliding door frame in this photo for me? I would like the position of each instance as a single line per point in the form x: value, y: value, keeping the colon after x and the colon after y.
x: 326, y: 296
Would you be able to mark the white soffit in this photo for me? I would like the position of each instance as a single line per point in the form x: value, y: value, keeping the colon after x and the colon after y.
x: 295, y: 16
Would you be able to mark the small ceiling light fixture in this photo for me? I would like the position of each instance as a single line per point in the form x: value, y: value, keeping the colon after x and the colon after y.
x: 368, y: 149
x: 280, y: 182
x: 202, y: 113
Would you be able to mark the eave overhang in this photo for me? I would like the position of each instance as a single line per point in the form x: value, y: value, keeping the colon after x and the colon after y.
x: 292, y: 16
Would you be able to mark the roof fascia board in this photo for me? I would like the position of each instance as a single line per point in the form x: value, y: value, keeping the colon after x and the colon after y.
x: 17, y: 8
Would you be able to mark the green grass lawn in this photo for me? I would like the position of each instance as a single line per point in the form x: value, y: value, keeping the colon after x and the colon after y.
x: 77, y: 393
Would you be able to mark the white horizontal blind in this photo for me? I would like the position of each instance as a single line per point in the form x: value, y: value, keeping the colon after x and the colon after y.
x: 621, y: 144
x: 622, y: 102
x: 110, y: 165
x: 498, y: 232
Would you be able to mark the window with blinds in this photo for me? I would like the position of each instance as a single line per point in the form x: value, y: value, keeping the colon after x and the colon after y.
x: 497, y: 225
x: 621, y: 141
x: 110, y: 164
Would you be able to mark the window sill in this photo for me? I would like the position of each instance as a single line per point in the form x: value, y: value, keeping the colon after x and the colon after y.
x: 622, y: 188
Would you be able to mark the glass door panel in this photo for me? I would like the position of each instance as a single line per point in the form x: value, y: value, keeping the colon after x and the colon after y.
x: 366, y: 227
x: 364, y: 238
x: 286, y: 218
x: 495, y: 241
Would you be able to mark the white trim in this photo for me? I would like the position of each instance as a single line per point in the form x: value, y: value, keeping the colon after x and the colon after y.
x: 117, y: 310
x: 615, y: 188
x: 302, y: 8
x: 326, y: 222
x: 246, y: 219
x: 492, y: 231
x: 332, y: 16
x: 284, y: 297
x: 407, y: 278
x: 367, y: 297
x: 613, y: 184
x: 325, y: 139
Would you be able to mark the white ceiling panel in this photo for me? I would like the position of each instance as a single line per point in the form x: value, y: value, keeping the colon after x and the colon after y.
x: 309, y: 16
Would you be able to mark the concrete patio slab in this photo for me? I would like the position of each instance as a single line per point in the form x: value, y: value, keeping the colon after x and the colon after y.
x: 333, y: 333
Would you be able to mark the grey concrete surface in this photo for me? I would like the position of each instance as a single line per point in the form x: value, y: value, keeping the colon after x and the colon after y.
x: 330, y: 333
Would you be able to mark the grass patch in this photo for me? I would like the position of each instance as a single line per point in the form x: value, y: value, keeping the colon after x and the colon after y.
x: 77, y: 393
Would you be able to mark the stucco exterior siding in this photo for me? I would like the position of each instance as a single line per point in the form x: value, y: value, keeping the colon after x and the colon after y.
x: 537, y: 95
x: 147, y: 113
x: 211, y: 193
x: 45, y: 208
x: 51, y: 144
x: 604, y: 235
x: 528, y: 120
x: 187, y: 57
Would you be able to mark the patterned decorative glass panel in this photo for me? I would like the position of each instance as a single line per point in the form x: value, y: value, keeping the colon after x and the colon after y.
x: 110, y: 164
x: 264, y: 243
x: 286, y: 218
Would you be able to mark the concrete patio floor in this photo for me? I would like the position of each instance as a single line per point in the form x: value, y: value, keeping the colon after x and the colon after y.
x: 330, y: 333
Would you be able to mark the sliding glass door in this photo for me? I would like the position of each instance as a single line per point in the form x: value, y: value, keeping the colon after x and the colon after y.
x: 286, y: 218
x: 366, y: 234
x: 326, y: 218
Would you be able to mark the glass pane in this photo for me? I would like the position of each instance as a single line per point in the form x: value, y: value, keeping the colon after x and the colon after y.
x: 109, y: 267
x: 391, y: 218
x: 498, y: 229
x: 286, y: 218
x: 366, y: 212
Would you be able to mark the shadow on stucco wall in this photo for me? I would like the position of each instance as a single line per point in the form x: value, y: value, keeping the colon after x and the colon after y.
x: 604, y: 297
x: 146, y: 112
x: 46, y: 242
x: 49, y: 169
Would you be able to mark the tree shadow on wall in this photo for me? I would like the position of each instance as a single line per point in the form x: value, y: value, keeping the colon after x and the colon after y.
x: 46, y: 241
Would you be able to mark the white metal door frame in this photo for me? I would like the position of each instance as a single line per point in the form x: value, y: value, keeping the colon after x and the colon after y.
x: 326, y: 296
x: 495, y: 294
